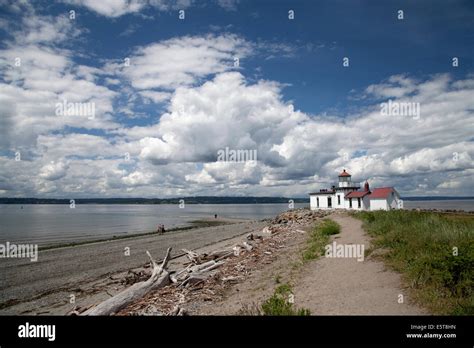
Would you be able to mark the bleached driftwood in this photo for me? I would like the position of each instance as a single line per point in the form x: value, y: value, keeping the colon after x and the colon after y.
x: 191, y: 255
x: 199, y: 273
x: 198, y: 259
x: 247, y: 246
x: 159, y: 278
x: 193, y: 279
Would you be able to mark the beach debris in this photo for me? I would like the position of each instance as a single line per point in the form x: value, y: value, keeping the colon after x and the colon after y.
x: 205, y: 277
x: 177, y: 311
x: 133, y: 277
x: 159, y: 278
x: 196, y: 258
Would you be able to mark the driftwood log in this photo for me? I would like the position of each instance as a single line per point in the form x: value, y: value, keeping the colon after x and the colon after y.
x: 197, y: 271
x: 159, y: 278
x: 198, y: 259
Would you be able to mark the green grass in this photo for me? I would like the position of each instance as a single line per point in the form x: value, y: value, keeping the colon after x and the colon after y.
x: 318, y: 238
x: 280, y: 304
x: 422, y: 247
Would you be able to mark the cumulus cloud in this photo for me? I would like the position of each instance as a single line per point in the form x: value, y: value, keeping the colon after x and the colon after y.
x: 293, y: 147
x: 37, y: 75
x: 54, y: 171
x: 156, y: 70
x: 297, y: 152
x: 117, y: 8
x: 40, y: 29
x: 110, y: 8
x: 224, y: 112
x: 182, y: 61
x: 228, y: 5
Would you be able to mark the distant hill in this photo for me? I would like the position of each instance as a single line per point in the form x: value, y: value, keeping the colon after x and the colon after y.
x: 187, y: 200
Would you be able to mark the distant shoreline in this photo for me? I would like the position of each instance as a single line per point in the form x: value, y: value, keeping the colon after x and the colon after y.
x: 196, y: 200
x: 153, y: 201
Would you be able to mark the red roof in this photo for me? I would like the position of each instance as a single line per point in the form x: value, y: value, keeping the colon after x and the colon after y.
x: 357, y: 194
x: 344, y: 173
x: 381, y: 192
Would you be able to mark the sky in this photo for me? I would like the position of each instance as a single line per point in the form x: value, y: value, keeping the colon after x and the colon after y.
x: 136, y: 98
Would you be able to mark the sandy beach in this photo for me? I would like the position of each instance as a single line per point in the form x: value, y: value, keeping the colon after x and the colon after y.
x: 90, y: 271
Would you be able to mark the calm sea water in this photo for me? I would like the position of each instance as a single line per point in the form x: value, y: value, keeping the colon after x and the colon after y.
x: 52, y: 224
x: 462, y: 204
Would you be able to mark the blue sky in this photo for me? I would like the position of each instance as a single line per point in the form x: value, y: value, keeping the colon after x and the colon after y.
x: 182, y: 99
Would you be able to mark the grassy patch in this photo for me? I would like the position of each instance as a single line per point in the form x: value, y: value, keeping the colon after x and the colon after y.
x: 281, y: 303
x: 318, y: 238
x: 433, y: 251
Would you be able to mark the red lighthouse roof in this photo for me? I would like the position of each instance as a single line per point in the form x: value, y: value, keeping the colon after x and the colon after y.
x: 344, y: 173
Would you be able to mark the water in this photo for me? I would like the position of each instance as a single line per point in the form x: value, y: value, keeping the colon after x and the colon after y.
x: 466, y: 205
x: 55, y: 224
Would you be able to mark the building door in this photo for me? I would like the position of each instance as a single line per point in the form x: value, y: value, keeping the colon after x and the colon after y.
x: 329, y: 202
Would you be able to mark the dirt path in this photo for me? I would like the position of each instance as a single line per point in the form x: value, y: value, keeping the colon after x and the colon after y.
x: 344, y: 286
x: 326, y: 286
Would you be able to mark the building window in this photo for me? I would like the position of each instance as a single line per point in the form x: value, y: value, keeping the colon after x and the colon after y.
x: 358, y: 201
x: 350, y: 202
x: 329, y: 202
x: 317, y: 202
x: 339, y: 200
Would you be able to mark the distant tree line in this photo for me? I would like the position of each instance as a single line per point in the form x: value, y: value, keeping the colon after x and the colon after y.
x: 187, y: 200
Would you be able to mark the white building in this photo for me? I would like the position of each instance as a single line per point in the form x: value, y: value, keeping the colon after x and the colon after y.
x: 347, y: 195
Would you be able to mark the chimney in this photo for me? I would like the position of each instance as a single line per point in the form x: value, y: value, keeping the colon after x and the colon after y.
x: 366, y: 186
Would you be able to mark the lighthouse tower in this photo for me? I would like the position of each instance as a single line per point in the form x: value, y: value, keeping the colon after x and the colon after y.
x: 345, y: 186
x: 345, y: 179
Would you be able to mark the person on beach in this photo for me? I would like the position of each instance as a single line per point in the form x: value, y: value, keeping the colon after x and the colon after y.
x: 160, y: 229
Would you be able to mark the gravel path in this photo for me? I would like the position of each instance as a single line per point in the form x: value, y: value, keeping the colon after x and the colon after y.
x: 65, y: 269
x: 344, y: 286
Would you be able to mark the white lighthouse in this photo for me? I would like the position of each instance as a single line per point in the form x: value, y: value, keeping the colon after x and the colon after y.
x: 346, y: 195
